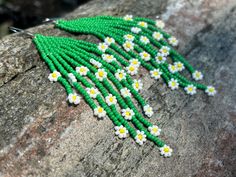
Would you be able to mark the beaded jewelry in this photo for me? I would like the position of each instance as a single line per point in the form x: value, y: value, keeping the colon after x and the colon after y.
x: 102, y: 73
x: 82, y: 67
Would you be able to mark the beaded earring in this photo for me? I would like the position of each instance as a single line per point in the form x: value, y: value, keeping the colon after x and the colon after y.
x: 81, y: 67
x: 102, y: 72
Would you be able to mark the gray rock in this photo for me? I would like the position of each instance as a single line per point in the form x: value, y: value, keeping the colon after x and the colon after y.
x: 41, y: 135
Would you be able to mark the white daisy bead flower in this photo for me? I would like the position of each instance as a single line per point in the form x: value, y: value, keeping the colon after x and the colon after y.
x: 101, y: 74
x: 197, y: 75
x: 125, y: 92
x: 148, y: 110
x: 179, y: 66
x: 144, y: 40
x: 103, y: 47
x: 157, y: 35
x: 82, y: 70
x: 172, y: 68
x: 211, y: 91
x: 173, y: 41
x: 136, y: 30
x: 190, y: 89
x: 72, y: 78
x: 165, y: 51
x: 160, y: 58
x: 143, y: 24
x: 132, y: 70
x: 74, y: 98
x: 93, y: 92
x: 127, y: 113
x: 129, y: 37
x: 154, y: 130
x: 128, y: 18
x: 109, y: 40
x: 110, y: 100
x: 54, y: 76
x: 140, y: 138
x: 120, y: 74
x: 173, y: 84
x: 145, y: 56
x: 121, y: 131
x: 108, y: 58
x: 156, y: 73
x: 128, y: 45
x: 134, y: 62
x: 95, y: 63
x: 166, y: 151
x: 160, y: 24
x: 99, y: 112
x: 137, y: 85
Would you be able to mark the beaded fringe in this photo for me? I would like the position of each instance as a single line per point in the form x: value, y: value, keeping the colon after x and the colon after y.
x: 102, y: 73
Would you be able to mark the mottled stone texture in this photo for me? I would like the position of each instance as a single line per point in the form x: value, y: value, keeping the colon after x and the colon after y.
x: 40, y: 135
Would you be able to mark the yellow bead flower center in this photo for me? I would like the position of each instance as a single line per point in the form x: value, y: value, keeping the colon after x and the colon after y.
x: 101, y: 73
x: 127, y: 113
x: 142, y: 24
x: 82, y: 70
x: 211, y: 89
x: 145, y: 55
x: 129, y: 36
x: 155, y: 129
x: 179, y: 65
x: 128, y: 45
x: 100, y: 110
x: 121, y: 75
x: 190, y: 89
x: 109, y: 57
x: 164, y: 51
x: 166, y: 149
x: 157, y: 35
x: 173, y: 84
x: 136, y: 84
x: 54, y: 75
x: 155, y: 73
x: 140, y: 136
x: 74, y: 97
x: 131, y: 68
x: 122, y: 130
x: 111, y: 99
x: 92, y: 91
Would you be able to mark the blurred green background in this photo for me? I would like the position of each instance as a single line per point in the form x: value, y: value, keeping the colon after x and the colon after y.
x: 28, y: 13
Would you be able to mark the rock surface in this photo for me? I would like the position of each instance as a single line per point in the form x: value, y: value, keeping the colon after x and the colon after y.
x: 41, y: 135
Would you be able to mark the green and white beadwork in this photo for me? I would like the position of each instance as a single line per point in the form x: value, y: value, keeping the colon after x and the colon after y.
x: 81, y: 68
x: 101, y: 73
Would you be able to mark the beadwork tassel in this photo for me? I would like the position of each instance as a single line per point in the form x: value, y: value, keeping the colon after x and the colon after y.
x: 81, y: 67
x: 102, y: 73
